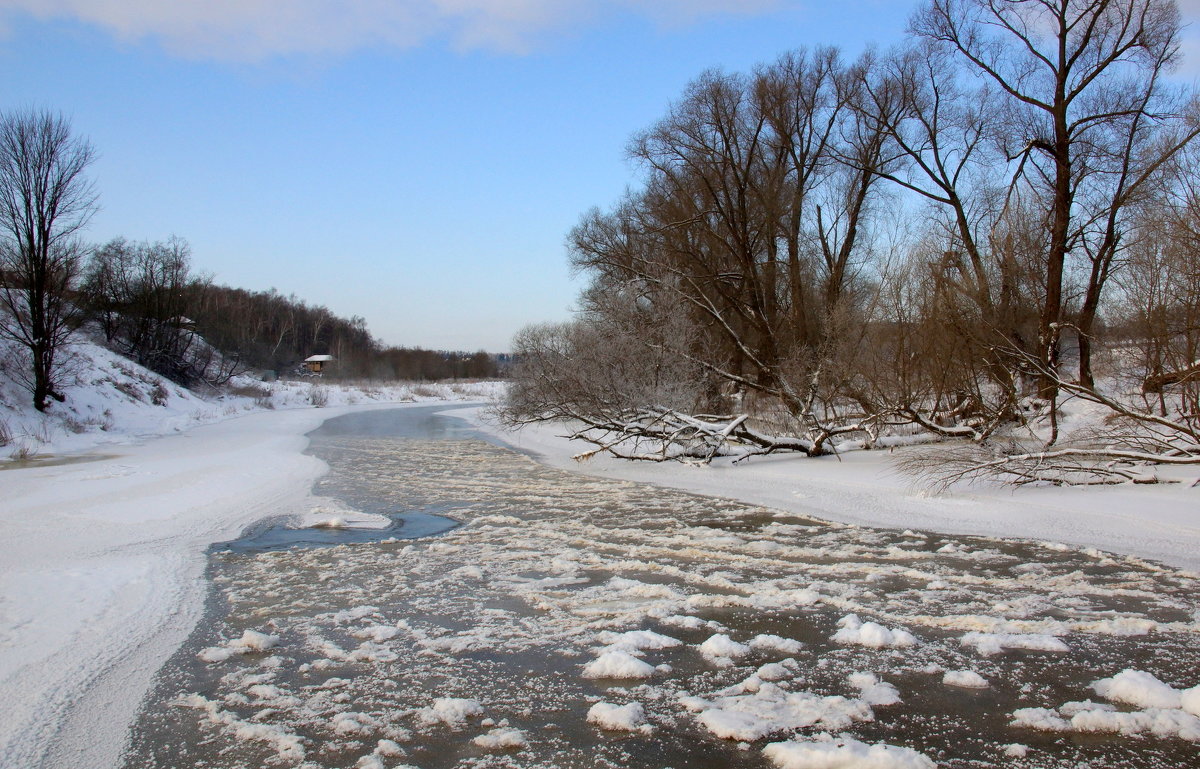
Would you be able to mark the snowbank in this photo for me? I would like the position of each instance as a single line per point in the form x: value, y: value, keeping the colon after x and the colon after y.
x: 864, y: 488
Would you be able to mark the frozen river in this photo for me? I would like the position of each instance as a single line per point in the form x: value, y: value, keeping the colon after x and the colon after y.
x: 563, y: 621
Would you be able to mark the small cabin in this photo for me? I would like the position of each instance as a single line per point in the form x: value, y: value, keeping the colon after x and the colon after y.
x: 317, y: 363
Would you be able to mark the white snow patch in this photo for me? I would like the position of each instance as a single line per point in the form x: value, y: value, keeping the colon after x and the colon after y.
x: 1137, y: 687
x: 771, y: 709
x: 617, y: 664
x: 251, y: 641
x: 871, y: 634
x: 637, y: 640
x: 452, y: 711
x: 872, y: 690
x: 990, y: 644
x: 768, y: 642
x: 845, y: 753
x: 502, y: 738
x: 967, y: 679
x: 622, y: 718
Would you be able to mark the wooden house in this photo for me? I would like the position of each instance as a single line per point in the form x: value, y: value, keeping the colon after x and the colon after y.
x: 317, y: 363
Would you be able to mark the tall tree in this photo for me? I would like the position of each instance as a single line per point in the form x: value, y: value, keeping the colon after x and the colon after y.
x: 1087, y: 124
x: 45, y: 199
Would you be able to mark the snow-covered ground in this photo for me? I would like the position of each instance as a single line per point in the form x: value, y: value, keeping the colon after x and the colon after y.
x: 111, y: 400
x: 1160, y: 522
x: 101, y: 568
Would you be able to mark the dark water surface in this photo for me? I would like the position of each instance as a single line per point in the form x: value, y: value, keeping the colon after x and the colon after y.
x: 357, y: 653
x: 418, y: 423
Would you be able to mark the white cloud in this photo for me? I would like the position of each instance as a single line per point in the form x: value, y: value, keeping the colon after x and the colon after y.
x: 258, y: 29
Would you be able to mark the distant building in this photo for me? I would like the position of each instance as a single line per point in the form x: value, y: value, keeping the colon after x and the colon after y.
x: 317, y: 363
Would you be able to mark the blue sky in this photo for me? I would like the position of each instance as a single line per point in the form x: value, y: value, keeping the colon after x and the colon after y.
x: 416, y: 162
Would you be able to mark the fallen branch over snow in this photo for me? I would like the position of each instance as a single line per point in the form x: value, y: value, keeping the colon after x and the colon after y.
x: 658, y: 434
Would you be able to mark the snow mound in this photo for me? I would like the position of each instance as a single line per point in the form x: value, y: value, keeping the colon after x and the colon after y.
x: 871, y: 634
x: 1165, y: 710
x: 872, y: 690
x: 617, y: 664
x: 845, y: 753
x: 1139, y: 688
x: 502, y: 738
x: 776, y: 671
x: 991, y: 644
x: 768, y: 642
x: 967, y: 679
x: 251, y: 641
x: 771, y: 710
x: 619, y: 718
x: 720, y: 646
x: 1156, y: 721
x: 452, y: 711
x: 637, y: 640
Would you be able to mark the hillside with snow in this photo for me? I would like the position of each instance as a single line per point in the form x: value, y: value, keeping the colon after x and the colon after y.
x: 112, y: 400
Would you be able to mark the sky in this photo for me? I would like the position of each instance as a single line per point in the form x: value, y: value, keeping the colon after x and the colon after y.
x: 415, y: 162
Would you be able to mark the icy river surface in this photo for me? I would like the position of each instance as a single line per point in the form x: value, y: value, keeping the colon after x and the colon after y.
x: 545, y: 619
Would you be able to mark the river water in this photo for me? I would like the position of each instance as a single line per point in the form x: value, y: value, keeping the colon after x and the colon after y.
x: 489, y: 638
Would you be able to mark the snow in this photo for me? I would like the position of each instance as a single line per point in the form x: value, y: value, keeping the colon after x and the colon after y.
x: 1164, y: 710
x: 617, y: 664
x: 873, y: 691
x: 770, y: 642
x: 102, y: 571
x: 637, y: 640
x: 452, y: 711
x: 1189, y: 700
x: 251, y: 641
x: 1157, y: 522
x: 502, y: 738
x: 845, y: 753
x: 720, y: 646
x: 990, y: 644
x: 620, y: 718
x: 1138, y: 688
x: 854, y: 631
x: 966, y: 679
x: 771, y: 709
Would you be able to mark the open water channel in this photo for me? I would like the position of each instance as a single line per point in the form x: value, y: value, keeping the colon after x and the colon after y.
x: 496, y: 625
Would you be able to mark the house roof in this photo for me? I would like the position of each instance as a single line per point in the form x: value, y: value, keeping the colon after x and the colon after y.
x: 319, y: 359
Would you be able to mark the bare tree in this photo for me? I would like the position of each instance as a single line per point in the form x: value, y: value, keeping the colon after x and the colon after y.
x: 45, y: 199
x: 1085, y: 119
x: 143, y: 294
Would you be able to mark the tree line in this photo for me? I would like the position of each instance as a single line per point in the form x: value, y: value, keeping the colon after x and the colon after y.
x: 949, y: 237
x: 145, y: 299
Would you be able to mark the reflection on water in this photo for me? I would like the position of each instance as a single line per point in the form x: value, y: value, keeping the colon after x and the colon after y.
x: 50, y: 460
x: 407, y: 525
x: 370, y: 649
x: 406, y: 522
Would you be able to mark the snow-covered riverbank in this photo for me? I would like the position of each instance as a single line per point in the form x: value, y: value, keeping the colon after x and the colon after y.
x: 102, y: 564
x: 1160, y: 523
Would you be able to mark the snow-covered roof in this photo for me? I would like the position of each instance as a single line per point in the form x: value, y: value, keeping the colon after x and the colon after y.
x: 318, y: 359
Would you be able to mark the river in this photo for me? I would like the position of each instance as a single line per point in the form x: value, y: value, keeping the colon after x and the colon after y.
x: 521, y: 616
